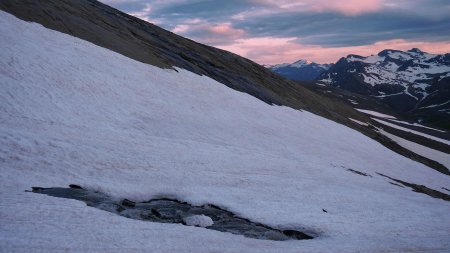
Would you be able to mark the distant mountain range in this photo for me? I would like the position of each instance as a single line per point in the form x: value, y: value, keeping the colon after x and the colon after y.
x: 300, y: 70
x: 413, y: 81
x: 404, y: 80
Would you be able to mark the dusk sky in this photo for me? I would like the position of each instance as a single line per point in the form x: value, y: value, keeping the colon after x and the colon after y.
x: 277, y: 31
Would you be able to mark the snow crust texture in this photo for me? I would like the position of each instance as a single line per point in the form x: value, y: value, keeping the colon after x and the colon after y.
x: 75, y: 113
x: 198, y: 220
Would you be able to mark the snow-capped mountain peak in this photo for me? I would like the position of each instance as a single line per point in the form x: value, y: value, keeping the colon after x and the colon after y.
x: 416, y: 50
x: 300, y: 63
x: 300, y: 70
x: 414, y: 77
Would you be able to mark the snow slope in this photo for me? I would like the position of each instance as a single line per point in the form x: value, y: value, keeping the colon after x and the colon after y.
x: 412, y: 131
x: 377, y: 114
x: 424, y: 151
x: 417, y: 125
x: 72, y: 112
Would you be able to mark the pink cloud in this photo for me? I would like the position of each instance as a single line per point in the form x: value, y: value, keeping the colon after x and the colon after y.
x: 270, y: 50
x: 212, y: 34
x: 221, y: 33
x: 224, y: 28
x: 346, y: 7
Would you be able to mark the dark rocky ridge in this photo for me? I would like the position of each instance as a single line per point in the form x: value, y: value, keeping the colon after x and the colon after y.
x: 419, y: 188
x: 109, y: 28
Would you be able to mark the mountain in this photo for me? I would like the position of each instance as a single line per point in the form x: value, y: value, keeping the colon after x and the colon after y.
x: 410, y: 81
x: 300, y: 70
x: 84, y: 116
x: 107, y: 27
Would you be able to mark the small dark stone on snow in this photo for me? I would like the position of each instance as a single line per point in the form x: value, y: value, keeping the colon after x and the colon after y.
x: 396, y: 184
x: 297, y: 235
x: 35, y: 189
x: 129, y: 203
x: 156, y: 213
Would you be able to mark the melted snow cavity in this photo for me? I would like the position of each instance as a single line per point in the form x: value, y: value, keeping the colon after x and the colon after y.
x: 164, y: 210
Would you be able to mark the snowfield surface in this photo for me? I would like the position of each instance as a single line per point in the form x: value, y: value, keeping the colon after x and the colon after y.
x: 417, y: 125
x: 359, y: 122
x: 377, y: 114
x: 412, y: 131
x: 72, y: 112
x: 424, y: 151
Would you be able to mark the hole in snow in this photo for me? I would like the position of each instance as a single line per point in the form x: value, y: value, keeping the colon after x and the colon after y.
x: 175, y: 211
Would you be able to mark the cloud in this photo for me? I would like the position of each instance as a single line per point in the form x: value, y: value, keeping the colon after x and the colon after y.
x: 271, y: 50
x: 333, y: 30
x: 299, y: 29
x: 346, y: 7
x: 212, y: 34
x: 112, y: 2
x: 349, y: 7
x: 142, y: 14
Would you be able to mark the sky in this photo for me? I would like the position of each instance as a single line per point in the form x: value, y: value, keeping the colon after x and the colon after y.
x: 280, y: 31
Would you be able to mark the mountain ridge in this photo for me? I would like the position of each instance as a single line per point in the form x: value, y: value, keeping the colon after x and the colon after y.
x: 301, y: 70
x: 394, y: 67
x: 411, y: 82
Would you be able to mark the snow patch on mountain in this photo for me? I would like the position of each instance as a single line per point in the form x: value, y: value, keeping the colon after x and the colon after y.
x: 381, y: 71
x: 392, y: 67
x: 369, y: 59
x: 424, y: 151
x: 377, y: 114
x: 412, y: 131
x: 300, y: 63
